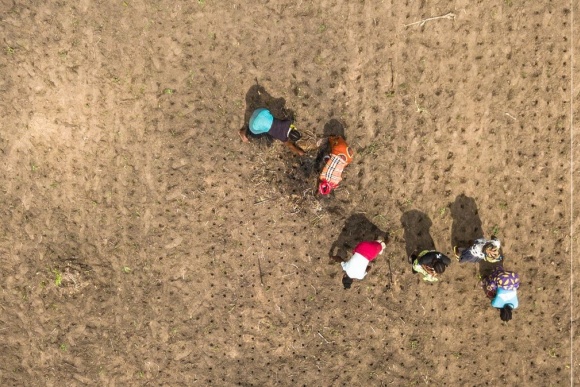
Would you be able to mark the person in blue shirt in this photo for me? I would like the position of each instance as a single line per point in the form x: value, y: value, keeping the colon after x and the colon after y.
x: 263, y: 122
x: 501, y: 286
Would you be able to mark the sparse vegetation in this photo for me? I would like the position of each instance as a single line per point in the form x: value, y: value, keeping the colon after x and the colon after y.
x: 57, y: 277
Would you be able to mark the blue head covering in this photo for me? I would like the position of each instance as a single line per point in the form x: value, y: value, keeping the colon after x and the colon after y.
x: 261, y: 121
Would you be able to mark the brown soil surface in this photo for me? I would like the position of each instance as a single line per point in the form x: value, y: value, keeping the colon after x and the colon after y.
x: 144, y: 244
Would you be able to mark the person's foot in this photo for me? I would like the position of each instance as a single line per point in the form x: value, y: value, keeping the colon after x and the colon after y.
x: 242, y: 133
x: 457, y: 252
x: 335, y: 258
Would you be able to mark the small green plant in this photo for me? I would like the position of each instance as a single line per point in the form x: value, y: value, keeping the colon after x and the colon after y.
x: 57, y: 277
x: 495, y: 230
x: 168, y: 91
x: 63, y: 347
x: 322, y: 28
x: 503, y: 205
x: 371, y: 149
x: 390, y: 94
x: 126, y: 269
x: 552, y: 352
x: 442, y: 211
x: 414, y: 344
x: 10, y: 50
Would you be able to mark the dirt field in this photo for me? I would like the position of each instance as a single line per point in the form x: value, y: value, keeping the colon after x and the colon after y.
x: 143, y: 243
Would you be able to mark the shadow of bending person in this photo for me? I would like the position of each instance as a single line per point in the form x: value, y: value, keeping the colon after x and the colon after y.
x: 357, y: 228
x: 258, y: 97
x: 466, y: 225
x: 416, y: 226
x: 466, y: 228
x: 333, y: 128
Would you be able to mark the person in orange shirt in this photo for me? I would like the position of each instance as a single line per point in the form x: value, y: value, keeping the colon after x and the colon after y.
x: 340, y: 156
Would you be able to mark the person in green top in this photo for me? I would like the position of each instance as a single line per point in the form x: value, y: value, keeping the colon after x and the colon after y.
x: 430, y: 264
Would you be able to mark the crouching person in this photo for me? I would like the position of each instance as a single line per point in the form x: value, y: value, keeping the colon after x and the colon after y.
x: 358, y: 264
x: 431, y: 264
x: 501, y: 286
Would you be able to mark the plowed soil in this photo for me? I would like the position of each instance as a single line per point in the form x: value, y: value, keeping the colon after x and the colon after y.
x: 142, y: 243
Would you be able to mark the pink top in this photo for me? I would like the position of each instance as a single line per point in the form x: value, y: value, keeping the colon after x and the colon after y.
x: 369, y: 249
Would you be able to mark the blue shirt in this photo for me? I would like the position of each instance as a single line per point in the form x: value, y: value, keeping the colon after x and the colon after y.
x: 505, y: 297
x: 261, y: 121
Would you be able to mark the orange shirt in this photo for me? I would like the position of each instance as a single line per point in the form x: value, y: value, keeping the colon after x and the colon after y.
x: 340, y: 156
x: 340, y: 148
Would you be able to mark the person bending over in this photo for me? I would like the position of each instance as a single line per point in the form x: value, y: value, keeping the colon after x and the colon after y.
x: 431, y: 264
x: 501, y: 286
x: 340, y: 156
x: 358, y: 264
x: 481, y: 250
x: 263, y: 122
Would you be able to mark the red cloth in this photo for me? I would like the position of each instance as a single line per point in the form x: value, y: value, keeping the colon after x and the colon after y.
x: 369, y: 249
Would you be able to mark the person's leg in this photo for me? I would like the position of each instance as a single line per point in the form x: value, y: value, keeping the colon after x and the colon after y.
x: 457, y: 251
x: 467, y: 256
x: 294, y: 148
x: 244, y: 134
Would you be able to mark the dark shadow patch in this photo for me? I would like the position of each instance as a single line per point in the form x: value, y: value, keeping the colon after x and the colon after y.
x: 333, y: 128
x: 486, y: 268
x: 466, y: 225
x: 416, y: 226
x: 357, y: 228
x: 258, y: 97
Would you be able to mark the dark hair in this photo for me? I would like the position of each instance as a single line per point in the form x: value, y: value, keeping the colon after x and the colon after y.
x: 439, y: 267
x: 347, y: 281
x: 505, y: 313
x: 294, y: 135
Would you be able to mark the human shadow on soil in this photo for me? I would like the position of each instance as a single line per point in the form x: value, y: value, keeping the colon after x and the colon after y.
x: 467, y: 227
x: 258, y: 97
x: 333, y: 128
x: 357, y: 228
x: 416, y: 226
